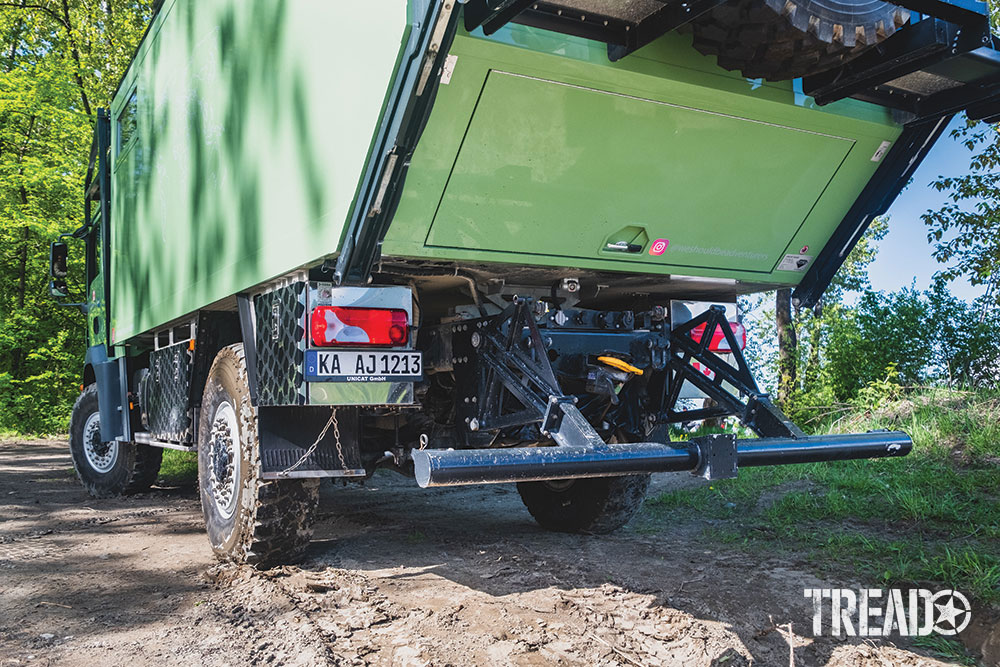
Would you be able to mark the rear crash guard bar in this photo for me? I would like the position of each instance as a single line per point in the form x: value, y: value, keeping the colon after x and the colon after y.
x: 712, y: 457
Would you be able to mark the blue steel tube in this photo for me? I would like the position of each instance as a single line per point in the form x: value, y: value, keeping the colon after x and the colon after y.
x: 451, y: 467
x: 833, y: 447
x: 448, y: 467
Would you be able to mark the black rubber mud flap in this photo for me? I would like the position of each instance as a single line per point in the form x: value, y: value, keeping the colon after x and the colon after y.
x: 287, y: 433
x: 108, y: 376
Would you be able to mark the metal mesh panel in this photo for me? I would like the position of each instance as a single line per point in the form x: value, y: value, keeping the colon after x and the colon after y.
x: 165, y: 393
x: 280, y: 320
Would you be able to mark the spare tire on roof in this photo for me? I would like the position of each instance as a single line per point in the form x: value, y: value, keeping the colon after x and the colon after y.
x: 785, y: 39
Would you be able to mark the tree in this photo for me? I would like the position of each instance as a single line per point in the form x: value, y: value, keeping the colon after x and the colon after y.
x: 59, y: 61
x: 801, y: 338
x: 965, y: 231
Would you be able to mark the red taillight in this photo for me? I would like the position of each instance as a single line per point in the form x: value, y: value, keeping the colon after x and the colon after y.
x: 719, y: 342
x: 333, y: 325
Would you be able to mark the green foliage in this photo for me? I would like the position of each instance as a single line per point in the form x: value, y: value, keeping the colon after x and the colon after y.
x: 966, y: 230
x: 882, y: 331
x: 932, y: 517
x: 178, y: 468
x: 59, y: 61
x: 887, y: 344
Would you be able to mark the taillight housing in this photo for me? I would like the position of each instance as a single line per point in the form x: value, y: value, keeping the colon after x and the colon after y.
x: 332, y: 326
x: 719, y: 342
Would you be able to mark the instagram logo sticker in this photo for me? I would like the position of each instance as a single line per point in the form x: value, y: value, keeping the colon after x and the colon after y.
x: 659, y: 247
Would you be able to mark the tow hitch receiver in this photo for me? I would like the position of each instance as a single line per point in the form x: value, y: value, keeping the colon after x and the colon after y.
x: 708, y: 456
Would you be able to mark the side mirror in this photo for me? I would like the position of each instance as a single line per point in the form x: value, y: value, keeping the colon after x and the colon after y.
x: 58, y: 257
x: 58, y: 289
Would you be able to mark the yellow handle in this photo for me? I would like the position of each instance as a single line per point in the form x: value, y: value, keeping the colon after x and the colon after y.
x: 614, y: 362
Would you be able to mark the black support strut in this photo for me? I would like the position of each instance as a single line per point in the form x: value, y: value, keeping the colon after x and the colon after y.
x: 756, y: 411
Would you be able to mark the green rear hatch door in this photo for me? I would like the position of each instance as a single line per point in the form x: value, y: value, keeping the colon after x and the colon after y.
x: 549, y: 168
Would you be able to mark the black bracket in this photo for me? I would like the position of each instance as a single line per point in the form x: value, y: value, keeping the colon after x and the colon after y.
x: 494, y: 363
x: 892, y: 175
x: 248, y: 332
x: 670, y: 16
x: 717, y: 456
x: 753, y: 407
x: 492, y: 14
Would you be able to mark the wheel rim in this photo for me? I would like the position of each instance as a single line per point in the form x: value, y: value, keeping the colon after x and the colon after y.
x: 101, y: 455
x: 225, y: 459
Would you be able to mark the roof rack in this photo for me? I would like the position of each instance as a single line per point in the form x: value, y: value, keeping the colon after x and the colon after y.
x: 945, y: 61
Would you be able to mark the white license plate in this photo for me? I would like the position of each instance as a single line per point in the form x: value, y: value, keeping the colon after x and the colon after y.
x: 363, y: 366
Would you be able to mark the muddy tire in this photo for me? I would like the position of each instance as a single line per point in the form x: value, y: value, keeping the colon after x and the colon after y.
x: 248, y: 519
x: 107, y: 469
x: 780, y: 40
x: 593, y: 505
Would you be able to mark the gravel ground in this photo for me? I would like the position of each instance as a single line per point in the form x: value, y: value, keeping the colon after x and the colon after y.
x: 395, y: 576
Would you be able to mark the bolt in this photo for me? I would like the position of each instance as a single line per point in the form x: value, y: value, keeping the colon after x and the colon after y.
x: 477, y: 339
x: 473, y: 424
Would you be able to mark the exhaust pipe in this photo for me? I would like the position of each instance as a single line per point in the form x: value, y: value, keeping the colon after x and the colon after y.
x: 452, y: 467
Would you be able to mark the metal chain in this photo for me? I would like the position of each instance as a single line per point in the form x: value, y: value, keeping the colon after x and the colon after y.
x: 312, y: 448
x: 336, y: 440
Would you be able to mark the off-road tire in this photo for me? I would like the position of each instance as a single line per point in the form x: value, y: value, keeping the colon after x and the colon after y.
x: 779, y: 40
x: 592, y: 505
x: 272, y: 520
x: 132, y: 468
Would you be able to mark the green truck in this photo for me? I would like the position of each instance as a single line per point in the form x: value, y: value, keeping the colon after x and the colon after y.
x: 484, y: 241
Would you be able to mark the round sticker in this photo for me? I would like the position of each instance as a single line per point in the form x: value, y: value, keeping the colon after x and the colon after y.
x: 659, y: 247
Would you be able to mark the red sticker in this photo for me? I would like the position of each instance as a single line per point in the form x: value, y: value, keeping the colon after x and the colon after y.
x: 659, y: 247
x: 804, y: 250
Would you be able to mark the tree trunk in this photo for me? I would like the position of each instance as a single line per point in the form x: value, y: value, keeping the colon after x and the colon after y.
x: 22, y: 268
x: 75, y: 53
x: 22, y: 275
x: 787, y: 344
x: 14, y: 41
x: 812, y: 365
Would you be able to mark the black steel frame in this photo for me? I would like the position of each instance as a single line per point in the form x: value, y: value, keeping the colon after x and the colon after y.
x: 889, y: 179
x: 382, y: 186
x: 97, y: 187
x: 528, y: 376
x: 492, y: 360
x: 756, y: 411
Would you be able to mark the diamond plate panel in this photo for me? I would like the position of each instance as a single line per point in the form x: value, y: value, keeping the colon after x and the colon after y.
x: 281, y: 341
x: 165, y: 393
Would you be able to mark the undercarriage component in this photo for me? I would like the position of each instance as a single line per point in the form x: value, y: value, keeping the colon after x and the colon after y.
x: 447, y: 467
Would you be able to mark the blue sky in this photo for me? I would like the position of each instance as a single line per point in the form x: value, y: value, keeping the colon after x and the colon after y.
x: 905, y: 254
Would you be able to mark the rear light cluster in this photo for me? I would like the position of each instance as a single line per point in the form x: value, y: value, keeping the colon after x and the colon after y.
x: 334, y: 326
x: 719, y: 342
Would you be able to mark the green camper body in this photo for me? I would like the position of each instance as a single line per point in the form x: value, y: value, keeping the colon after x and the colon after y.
x: 243, y: 131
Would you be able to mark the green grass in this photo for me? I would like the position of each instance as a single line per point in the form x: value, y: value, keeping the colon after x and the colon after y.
x: 178, y: 468
x: 948, y: 649
x: 931, y: 518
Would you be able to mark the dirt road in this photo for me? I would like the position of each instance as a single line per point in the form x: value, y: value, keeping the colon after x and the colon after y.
x: 396, y: 576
